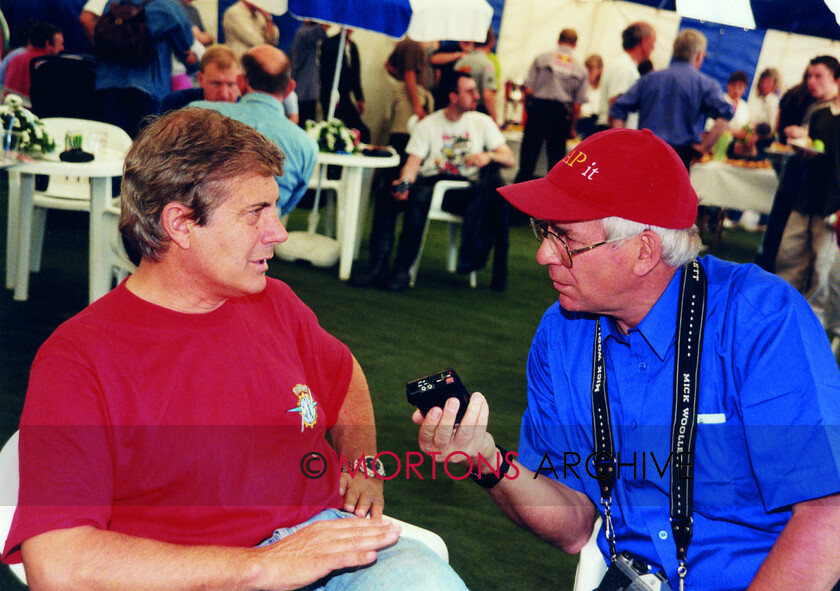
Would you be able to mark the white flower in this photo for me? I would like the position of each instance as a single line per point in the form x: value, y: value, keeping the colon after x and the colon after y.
x: 28, y: 129
x: 13, y: 100
x: 332, y: 135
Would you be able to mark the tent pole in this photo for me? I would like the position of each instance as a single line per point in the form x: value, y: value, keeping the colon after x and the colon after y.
x: 339, y: 60
x: 314, y: 215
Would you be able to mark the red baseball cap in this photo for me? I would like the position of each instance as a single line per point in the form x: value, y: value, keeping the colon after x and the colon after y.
x: 626, y: 173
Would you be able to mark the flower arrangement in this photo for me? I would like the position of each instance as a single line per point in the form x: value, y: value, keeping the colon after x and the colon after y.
x: 333, y: 136
x: 22, y: 130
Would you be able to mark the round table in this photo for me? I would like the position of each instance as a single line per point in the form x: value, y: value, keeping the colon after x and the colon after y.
x: 19, y: 236
x: 353, y: 197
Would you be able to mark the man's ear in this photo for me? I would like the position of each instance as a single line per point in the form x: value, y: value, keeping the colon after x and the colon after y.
x: 648, y: 253
x: 242, y: 84
x: 291, y: 87
x: 176, y: 220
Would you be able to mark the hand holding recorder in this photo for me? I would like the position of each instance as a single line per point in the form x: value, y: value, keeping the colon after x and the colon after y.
x: 450, y: 420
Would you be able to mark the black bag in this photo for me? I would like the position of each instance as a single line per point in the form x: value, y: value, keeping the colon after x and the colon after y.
x: 121, y: 34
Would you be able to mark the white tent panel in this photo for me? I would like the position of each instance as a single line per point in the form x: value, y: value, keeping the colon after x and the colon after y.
x: 789, y: 53
x: 531, y: 27
x: 737, y: 13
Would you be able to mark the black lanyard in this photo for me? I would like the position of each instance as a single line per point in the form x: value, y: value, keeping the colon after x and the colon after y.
x: 691, y: 316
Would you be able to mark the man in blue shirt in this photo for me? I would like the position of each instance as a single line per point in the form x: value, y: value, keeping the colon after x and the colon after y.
x: 675, y: 103
x: 615, y: 219
x: 267, y: 82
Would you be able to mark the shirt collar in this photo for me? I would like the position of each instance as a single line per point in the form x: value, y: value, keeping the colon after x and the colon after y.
x: 262, y: 98
x: 658, y: 327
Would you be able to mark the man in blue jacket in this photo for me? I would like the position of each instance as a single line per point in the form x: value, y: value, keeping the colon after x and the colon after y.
x: 675, y: 103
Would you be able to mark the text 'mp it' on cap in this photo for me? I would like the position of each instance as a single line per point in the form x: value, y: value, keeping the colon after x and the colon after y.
x: 625, y: 173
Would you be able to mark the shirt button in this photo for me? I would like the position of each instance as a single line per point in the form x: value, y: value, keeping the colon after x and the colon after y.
x: 642, y: 365
x: 633, y: 424
x: 663, y: 535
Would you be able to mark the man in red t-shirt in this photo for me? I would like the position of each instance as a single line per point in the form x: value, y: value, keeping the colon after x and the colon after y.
x: 44, y: 39
x: 174, y: 434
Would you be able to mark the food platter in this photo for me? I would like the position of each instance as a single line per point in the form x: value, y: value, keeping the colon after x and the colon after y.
x: 805, y: 145
x: 779, y: 149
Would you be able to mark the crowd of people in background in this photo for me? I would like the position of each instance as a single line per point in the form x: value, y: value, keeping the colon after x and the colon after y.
x: 204, y: 188
x: 565, y: 97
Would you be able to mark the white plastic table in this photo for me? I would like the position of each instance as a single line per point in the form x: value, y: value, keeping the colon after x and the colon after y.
x: 732, y: 187
x: 19, y: 234
x: 353, y: 198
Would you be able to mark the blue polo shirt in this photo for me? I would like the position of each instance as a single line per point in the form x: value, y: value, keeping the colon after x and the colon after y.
x: 265, y: 113
x: 674, y: 103
x: 769, y: 420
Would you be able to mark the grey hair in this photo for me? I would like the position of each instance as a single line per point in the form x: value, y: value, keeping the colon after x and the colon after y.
x: 688, y: 44
x: 678, y: 246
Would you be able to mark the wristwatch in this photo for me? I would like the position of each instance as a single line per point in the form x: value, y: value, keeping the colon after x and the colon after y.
x: 373, y: 467
x: 490, y: 480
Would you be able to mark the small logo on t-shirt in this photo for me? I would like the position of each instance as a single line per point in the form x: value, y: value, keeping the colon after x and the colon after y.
x: 306, y: 406
x: 562, y: 62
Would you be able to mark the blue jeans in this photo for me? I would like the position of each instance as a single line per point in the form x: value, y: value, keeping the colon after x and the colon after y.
x: 407, y: 565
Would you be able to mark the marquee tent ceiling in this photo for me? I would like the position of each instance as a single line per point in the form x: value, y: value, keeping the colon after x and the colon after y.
x: 805, y: 17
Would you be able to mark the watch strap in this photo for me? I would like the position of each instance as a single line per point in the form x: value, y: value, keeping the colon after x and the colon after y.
x: 373, y: 467
x: 490, y: 480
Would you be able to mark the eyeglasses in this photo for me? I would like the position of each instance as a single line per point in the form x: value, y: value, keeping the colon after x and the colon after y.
x: 542, y: 230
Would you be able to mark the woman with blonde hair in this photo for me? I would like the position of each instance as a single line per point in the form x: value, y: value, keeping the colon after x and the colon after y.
x: 769, y: 88
x: 589, y: 111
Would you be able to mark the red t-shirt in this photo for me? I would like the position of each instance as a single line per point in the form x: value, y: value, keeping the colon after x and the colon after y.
x: 184, y: 428
x: 17, y: 72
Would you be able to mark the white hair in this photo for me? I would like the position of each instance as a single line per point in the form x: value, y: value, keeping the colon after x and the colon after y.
x: 678, y: 246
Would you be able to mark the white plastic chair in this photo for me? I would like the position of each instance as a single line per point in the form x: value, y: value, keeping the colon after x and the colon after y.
x: 430, y: 538
x: 321, y: 250
x: 591, y: 566
x: 71, y: 193
x: 329, y: 189
x: 10, y: 483
x: 114, y: 252
x: 437, y: 213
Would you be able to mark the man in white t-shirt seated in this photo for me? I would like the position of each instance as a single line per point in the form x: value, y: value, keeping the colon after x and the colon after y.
x: 455, y: 142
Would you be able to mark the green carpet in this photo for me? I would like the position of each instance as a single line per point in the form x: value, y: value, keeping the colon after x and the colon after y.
x: 441, y: 323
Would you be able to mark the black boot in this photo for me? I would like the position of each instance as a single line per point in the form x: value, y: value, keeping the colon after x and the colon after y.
x: 400, y: 281
x: 498, y: 282
x: 376, y: 275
